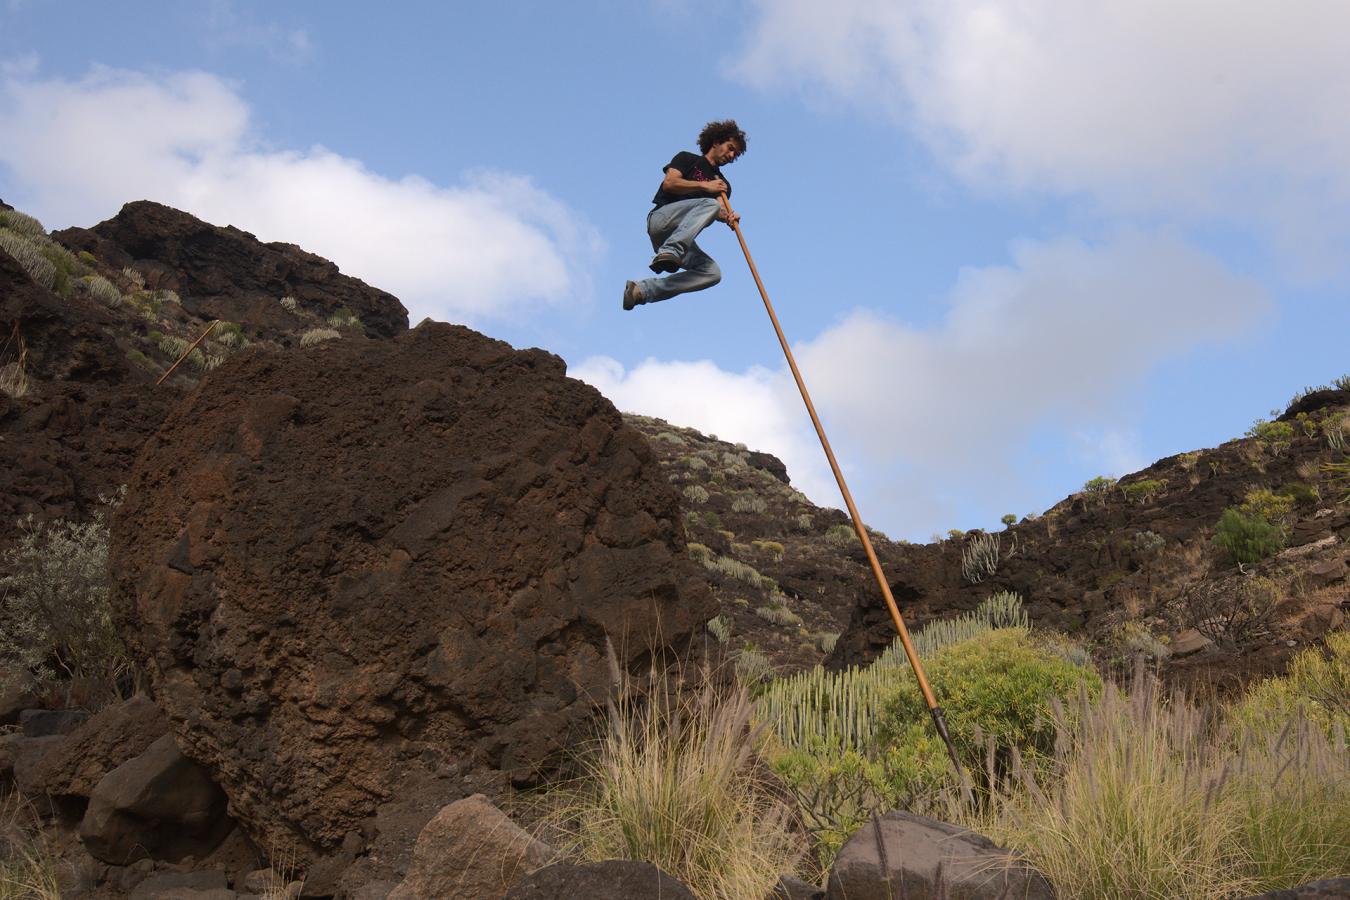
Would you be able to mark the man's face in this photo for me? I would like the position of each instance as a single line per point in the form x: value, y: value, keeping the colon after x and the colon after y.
x: 724, y: 152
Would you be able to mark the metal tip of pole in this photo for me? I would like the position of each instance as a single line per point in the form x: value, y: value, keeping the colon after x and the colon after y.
x: 940, y: 723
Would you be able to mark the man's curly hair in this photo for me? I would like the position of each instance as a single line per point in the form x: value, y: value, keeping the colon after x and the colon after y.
x: 717, y: 132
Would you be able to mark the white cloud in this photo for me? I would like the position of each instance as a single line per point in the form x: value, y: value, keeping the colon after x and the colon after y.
x: 494, y: 245
x: 755, y: 408
x: 1201, y: 107
x: 935, y: 424
x: 227, y: 27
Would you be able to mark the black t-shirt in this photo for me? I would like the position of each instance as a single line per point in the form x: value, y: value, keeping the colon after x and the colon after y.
x: 693, y: 167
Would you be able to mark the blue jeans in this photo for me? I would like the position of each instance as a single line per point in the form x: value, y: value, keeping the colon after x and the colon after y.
x: 672, y: 229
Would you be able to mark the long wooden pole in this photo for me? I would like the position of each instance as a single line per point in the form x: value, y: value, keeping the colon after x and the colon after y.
x: 187, y: 352
x: 939, y: 719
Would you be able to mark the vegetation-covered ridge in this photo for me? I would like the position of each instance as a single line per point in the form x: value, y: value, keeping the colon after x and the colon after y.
x: 1221, y: 562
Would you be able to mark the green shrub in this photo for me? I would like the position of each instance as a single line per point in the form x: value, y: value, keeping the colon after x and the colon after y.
x: 55, y: 618
x: 21, y: 223
x: 1099, y: 487
x: 752, y: 666
x: 720, y: 628
x: 345, y: 318
x: 999, y: 687
x: 140, y: 359
x: 749, y: 503
x: 1008, y: 520
x: 103, y: 290
x: 841, y: 535
x: 30, y: 257
x: 979, y: 559
x: 1316, y: 687
x: 734, y: 462
x: 1245, y: 538
x: 167, y: 296
x: 778, y: 614
x: 87, y: 258
x: 1263, y: 503
x: 1147, y: 542
x: 173, y: 346
x: 1144, y: 491
x: 772, y: 548
x: 1300, y: 493
x: 65, y: 265
x: 229, y: 334
x: 696, y: 493
x: 734, y: 568
x: 1274, y: 436
x: 824, y: 727
x: 1338, y: 473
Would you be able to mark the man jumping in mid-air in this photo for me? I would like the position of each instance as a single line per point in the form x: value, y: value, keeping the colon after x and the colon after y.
x: 686, y: 203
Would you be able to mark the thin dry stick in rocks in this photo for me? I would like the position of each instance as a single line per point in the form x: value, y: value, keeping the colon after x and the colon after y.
x: 188, y: 352
x: 939, y: 719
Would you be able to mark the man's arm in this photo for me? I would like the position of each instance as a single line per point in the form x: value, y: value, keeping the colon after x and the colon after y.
x: 676, y: 183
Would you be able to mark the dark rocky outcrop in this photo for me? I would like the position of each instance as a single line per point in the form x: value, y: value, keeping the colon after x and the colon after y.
x: 361, y: 570
x: 612, y: 879
x: 74, y: 436
x: 225, y: 273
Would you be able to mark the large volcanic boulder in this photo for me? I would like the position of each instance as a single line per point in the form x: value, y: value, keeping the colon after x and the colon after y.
x: 229, y: 274
x: 359, y: 569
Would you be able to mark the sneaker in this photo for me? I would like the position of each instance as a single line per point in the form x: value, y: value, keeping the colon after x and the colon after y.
x: 665, y: 262
x: 632, y: 295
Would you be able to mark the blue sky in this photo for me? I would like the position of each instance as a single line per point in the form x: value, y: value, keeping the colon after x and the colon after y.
x: 1014, y: 245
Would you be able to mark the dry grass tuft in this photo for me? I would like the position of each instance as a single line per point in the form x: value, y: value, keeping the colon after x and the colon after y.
x: 1150, y: 797
x: 678, y: 782
x: 28, y: 863
x: 318, y: 336
x: 14, y: 379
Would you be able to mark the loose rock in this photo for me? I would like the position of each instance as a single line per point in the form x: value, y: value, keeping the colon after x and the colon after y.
x: 159, y: 803
x: 904, y: 855
x: 471, y: 849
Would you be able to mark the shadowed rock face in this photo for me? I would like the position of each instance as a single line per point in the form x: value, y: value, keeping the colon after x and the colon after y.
x: 370, y: 564
x: 75, y: 434
x: 228, y: 274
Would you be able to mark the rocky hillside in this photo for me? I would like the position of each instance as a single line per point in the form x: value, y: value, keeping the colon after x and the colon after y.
x: 367, y: 570
x: 1130, y: 566
x: 1122, y: 564
x: 103, y: 312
